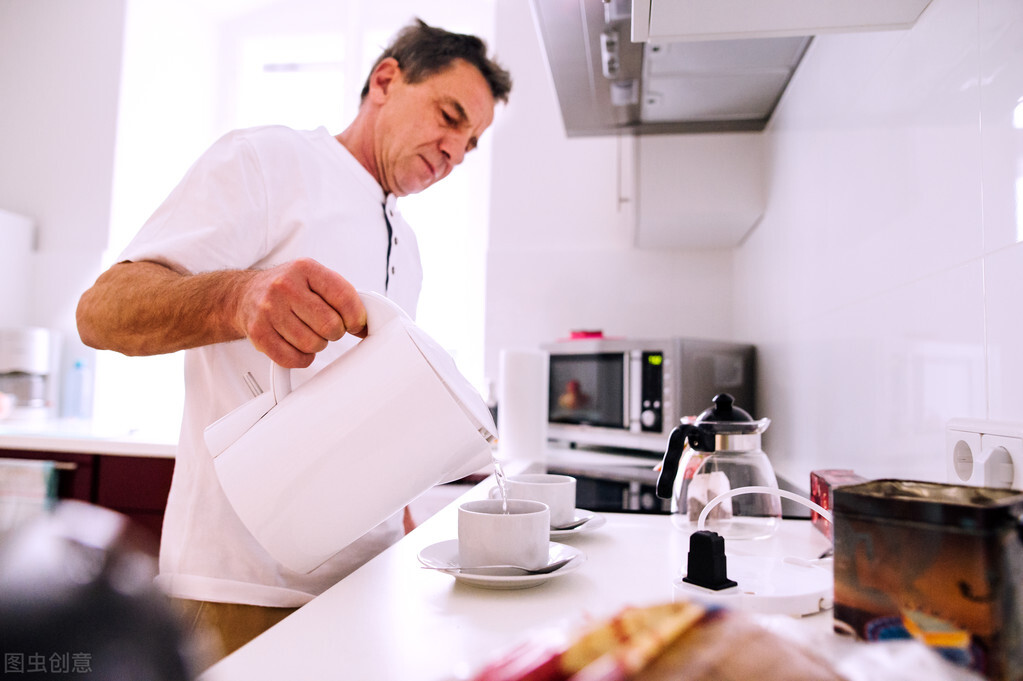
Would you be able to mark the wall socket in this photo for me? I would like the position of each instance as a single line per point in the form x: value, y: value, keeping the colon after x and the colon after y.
x: 984, y: 453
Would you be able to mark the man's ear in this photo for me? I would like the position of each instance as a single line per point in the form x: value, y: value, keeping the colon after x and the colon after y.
x: 384, y: 75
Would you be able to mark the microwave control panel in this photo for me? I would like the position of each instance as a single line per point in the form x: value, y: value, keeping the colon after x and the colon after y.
x: 653, y: 369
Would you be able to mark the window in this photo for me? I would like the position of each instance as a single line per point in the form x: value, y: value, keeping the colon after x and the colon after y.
x: 257, y: 62
x: 297, y: 81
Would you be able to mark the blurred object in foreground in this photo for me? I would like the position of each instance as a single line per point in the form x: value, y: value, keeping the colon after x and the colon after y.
x: 77, y: 596
x: 665, y: 642
x: 681, y: 640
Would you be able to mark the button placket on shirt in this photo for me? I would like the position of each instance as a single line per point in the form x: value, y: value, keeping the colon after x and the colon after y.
x: 389, y: 205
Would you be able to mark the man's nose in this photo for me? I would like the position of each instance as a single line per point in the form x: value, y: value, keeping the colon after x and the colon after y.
x: 453, y: 146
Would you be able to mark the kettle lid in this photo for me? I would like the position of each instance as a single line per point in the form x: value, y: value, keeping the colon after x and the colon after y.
x: 725, y: 417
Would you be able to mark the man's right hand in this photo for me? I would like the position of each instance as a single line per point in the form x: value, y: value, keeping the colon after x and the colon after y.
x: 291, y: 312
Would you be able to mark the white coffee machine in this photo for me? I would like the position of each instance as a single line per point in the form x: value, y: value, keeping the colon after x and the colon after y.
x: 27, y: 368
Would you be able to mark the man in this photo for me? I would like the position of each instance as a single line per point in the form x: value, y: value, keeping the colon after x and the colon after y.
x: 257, y: 256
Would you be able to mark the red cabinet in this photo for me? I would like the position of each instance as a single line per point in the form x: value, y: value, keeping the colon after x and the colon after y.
x: 136, y: 486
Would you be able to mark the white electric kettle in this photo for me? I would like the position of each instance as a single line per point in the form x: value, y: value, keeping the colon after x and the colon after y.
x: 312, y: 470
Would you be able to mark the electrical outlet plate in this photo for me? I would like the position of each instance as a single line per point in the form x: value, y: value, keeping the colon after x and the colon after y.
x: 962, y: 446
x: 1004, y: 464
x: 984, y: 453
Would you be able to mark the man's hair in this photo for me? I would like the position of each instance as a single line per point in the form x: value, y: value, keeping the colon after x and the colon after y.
x: 422, y: 51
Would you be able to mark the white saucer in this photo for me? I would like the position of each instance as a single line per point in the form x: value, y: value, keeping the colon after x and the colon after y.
x: 445, y: 555
x: 594, y: 521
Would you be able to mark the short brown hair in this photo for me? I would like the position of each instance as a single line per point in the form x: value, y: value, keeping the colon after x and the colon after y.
x: 422, y: 50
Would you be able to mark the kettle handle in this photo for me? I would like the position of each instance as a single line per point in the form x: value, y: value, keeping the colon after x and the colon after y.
x: 672, y: 456
x: 379, y: 311
x: 220, y: 434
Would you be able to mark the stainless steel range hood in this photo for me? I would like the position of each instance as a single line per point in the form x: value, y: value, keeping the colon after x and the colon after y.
x: 607, y: 84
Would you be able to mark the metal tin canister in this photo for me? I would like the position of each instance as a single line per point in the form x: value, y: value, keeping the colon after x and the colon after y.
x: 939, y: 563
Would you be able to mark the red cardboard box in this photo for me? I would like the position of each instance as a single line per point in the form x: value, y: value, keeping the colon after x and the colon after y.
x: 822, y: 485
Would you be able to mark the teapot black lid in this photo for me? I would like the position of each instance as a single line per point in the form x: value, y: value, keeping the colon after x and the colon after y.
x: 724, y: 411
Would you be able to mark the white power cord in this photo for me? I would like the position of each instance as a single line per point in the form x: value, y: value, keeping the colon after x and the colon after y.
x: 825, y: 513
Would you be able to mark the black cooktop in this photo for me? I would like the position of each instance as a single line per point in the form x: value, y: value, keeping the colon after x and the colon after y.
x: 631, y: 488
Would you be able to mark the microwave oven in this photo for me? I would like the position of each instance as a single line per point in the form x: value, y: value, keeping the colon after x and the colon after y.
x: 630, y: 394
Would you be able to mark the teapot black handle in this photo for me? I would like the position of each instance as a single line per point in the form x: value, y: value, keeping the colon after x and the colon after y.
x: 672, y: 456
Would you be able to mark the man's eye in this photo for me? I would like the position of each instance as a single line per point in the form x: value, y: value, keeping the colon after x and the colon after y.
x: 448, y: 118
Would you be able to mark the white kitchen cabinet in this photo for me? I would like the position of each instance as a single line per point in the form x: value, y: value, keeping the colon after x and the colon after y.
x: 698, y: 191
x: 673, y: 20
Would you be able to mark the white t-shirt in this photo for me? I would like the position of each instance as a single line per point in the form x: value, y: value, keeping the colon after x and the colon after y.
x: 258, y: 198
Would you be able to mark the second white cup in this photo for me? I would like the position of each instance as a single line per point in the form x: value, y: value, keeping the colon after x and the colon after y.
x: 557, y: 491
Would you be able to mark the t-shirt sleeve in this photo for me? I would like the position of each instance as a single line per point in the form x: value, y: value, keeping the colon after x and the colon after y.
x: 216, y: 218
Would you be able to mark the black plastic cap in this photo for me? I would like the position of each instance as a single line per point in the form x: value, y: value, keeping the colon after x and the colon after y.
x: 707, y: 566
x: 725, y: 411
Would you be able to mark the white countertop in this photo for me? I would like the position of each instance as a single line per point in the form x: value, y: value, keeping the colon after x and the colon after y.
x: 392, y: 619
x: 84, y: 437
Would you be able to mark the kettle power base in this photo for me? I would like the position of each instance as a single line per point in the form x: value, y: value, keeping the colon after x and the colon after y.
x: 768, y: 586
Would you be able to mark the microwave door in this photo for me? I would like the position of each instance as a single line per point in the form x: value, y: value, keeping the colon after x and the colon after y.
x: 589, y: 390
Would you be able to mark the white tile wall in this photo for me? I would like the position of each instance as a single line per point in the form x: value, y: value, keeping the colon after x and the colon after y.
x: 883, y: 286
x: 1003, y: 287
x: 560, y: 253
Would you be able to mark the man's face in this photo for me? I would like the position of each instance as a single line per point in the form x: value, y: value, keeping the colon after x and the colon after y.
x: 425, y: 129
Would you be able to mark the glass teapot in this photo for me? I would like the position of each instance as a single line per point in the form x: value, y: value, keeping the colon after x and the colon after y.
x: 718, y: 452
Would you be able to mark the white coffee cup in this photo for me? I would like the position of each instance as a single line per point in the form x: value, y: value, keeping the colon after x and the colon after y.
x: 489, y: 536
x: 557, y: 491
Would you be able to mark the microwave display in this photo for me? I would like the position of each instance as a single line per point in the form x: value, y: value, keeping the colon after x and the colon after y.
x: 651, y: 391
x: 588, y: 389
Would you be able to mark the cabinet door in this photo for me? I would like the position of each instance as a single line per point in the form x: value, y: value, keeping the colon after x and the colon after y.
x: 75, y: 480
x: 698, y: 191
x: 136, y: 486
x: 667, y: 20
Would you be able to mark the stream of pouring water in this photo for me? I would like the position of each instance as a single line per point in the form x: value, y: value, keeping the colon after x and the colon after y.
x: 499, y: 477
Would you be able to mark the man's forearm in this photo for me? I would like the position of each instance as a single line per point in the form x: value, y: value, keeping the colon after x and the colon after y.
x: 143, y: 308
